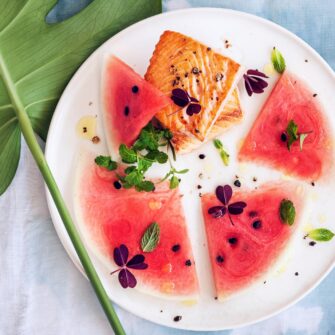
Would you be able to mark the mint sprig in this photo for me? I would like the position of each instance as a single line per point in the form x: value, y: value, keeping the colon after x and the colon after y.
x: 143, y: 154
x: 223, y: 153
x: 293, y: 135
x: 171, y: 175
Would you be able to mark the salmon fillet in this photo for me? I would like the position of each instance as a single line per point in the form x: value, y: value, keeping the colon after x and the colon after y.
x: 182, y: 62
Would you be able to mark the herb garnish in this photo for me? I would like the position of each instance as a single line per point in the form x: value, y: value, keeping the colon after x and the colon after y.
x: 126, y: 278
x: 106, y: 162
x: 174, y: 180
x: 287, y: 212
x: 223, y: 154
x: 321, y: 234
x: 278, y: 60
x: 293, y: 135
x: 182, y: 99
x: 141, y: 155
x: 254, y: 83
x: 224, y: 194
x: 150, y: 238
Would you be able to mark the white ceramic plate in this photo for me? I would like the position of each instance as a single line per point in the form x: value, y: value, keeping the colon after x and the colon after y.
x: 252, y: 39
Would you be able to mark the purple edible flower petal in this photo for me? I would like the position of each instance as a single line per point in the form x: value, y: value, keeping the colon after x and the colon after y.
x: 236, y: 208
x: 247, y: 85
x: 121, y: 255
x: 180, y: 97
x: 193, y: 109
x: 137, y: 262
x: 181, y: 94
x: 127, y: 279
x: 179, y: 102
x: 256, y: 73
x: 217, y: 211
x: 224, y: 193
x: 254, y: 83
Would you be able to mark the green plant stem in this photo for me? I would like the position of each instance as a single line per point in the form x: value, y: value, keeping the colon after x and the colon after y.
x: 39, y: 157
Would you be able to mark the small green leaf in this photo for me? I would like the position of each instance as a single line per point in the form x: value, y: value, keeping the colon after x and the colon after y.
x: 287, y: 212
x: 218, y: 144
x: 144, y: 164
x: 223, y: 153
x: 134, y: 178
x: 127, y: 155
x: 225, y: 157
x: 150, y: 238
x: 292, y: 133
x: 181, y: 171
x: 168, y: 134
x: 129, y: 169
x: 161, y: 157
x: 174, y: 182
x: 146, y: 186
x: 302, y: 138
x: 321, y: 235
x: 106, y: 162
x: 278, y: 60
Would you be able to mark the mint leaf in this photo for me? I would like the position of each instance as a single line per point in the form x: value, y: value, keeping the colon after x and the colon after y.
x: 292, y: 133
x: 129, y: 169
x: 278, y: 60
x: 143, y: 164
x: 287, y: 212
x: 128, y: 155
x: 150, y: 238
x: 106, y: 162
x: 302, y: 138
x: 158, y: 156
x: 225, y: 157
x: 174, y: 182
x: 321, y: 235
x: 161, y: 157
x: 134, y: 178
x: 181, y: 171
x: 218, y: 144
x: 146, y: 186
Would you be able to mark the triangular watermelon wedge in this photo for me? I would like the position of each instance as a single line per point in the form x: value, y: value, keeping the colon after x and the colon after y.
x: 243, y: 252
x: 129, y: 103
x: 109, y: 217
x: 291, y: 100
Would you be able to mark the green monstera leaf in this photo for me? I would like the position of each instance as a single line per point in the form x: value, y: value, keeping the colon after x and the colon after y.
x: 38, y: 59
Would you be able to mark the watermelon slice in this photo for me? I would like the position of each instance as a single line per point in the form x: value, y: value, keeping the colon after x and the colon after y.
x: 246, y: 250
x: 290, y: 100
x: 111, y: 217
x: 129, y: 103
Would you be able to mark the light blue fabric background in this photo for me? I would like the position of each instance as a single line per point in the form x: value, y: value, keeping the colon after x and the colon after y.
x: 41, y: 292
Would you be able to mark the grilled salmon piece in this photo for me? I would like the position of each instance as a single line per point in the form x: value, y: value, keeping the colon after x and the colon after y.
x: 182, y: 62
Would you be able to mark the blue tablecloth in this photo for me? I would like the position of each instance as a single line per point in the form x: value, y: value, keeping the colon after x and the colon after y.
x: 41, y: 292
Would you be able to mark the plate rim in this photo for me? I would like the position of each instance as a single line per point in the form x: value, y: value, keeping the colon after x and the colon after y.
x: 60, y: 228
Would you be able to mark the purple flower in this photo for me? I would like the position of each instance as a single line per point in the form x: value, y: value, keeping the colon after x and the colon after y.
x: 254, y: 83
x: 182, y: 99
x: 224, y: 194
x: 126, y: 278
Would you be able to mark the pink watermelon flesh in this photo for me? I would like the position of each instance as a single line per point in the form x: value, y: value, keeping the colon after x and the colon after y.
x: 256, y: 250
x: 290, y: 100
x: 114, y: 217
x: 129, y: 102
